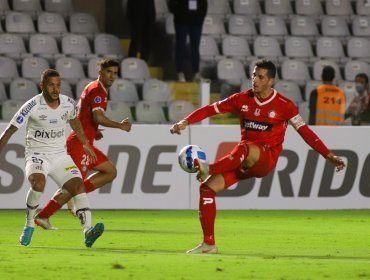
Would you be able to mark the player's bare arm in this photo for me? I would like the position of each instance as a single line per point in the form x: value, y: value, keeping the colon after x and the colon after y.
x: 337, y: 161
x: 6, y: 135
x: 77, y: 127
x: 177, y: 127
x: 101, y: 119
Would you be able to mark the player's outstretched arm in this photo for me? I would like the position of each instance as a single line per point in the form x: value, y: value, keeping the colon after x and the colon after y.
x: 101, y: 119
x: 177, y: 127
x: 6, y: 135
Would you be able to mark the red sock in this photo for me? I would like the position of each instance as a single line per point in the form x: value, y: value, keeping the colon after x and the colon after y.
x: 89, y: 187
x: 49, y: 209
x: 231, y: 161
x: 207, y: 213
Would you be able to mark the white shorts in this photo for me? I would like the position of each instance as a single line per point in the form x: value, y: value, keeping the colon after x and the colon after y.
x: 60, y: 166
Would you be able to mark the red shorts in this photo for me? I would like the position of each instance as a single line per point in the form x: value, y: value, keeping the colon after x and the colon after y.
x: 76, y: 151
x: 261, y: 168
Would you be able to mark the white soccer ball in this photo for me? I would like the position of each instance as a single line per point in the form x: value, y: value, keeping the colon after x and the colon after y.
x: 187, y: 156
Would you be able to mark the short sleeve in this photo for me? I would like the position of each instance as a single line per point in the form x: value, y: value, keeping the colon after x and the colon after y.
x: 21, y: 117
x: 98, y: 100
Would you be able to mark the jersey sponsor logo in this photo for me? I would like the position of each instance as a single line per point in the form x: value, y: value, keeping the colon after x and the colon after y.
x: 207, y: 200
x: 64, y: 116
x: 70, y: 100
x: 97, y: 99
x: 53, y: 121
x: 28, y: 108
x: 70, y: 167
x: 256, y: 126
x: 49, y: 134
x: 20, y: 119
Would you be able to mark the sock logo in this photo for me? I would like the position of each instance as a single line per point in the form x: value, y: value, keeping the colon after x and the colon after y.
x: 207, y: 200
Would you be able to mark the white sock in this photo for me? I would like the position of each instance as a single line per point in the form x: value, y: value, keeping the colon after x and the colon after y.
x: 32, y: 202
x: 83, y: 212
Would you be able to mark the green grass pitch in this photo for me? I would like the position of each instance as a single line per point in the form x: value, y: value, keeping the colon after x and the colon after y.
x: 147, y: 244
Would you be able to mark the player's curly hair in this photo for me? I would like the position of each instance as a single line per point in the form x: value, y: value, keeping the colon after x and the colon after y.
x: 108, y: 62
x: 268, y: 65
x: 47, y: 73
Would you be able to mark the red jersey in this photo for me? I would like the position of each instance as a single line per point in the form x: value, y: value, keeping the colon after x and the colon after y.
x: 94, y: 97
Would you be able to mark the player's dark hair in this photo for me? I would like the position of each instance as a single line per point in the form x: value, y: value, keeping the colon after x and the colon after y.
x: 49, y: 73
x: 268, y: 65
x: 364, y: 76
x: 328, y: 73
x: 108, y: 62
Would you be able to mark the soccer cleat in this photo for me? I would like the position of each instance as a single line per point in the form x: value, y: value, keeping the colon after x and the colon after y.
x: 203, y: 171
x: 26, y: 235
x: 44, y: 223
x: 203, y: 248
x: 93, y: 233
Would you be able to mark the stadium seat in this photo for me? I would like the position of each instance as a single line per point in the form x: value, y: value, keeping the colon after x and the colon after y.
x: 77, y: 46
x: 298, y: 48
x: 124, y: 90
x: 249, y: 8
x: 134, y: 69
x: 66, y: 89
x: 4, y: 7
x: 272, y: 26
x: 295, y: 70
x: 93, y: 67
x: 334, y: 26
x: 161, y: 9
x: 237, y: 48
x: 231, y: 71
x: 83, y: 23
x: 320, y: 64
x: 359, y: 48
x: 169, y: 25
x: 118, y: 111
x: 31, y: 7
x: 13, y: 46
x: 219, y: 7
x: 304, y: 110
x: 252, y: 64
x: 51, y: 23
x: 9, y: 108
x: 309, y: 87
x: 70, y: 69
x: 349, y: 89
x: 3, y: 95
x: 19, y: 23
x: 338, y: 8
x: 45, y: 46
x: 32, y: 68
x: 80, y: 86
x: 304, y: 26
x: 290, y: 90
x: 281, y: 8
x: 8, y: 69
x: 330, y: 48
x: 363, y: 7
x: 246, y: 84
x: 209, y: 55
x: 22, y: 89
x: 361, y: 26
x: 354, y: 67
x: 149, y: 112
x: 213, y: 25
x: 179, y: 109
x: 155, y: 90
x: 267, y: 47
x: 108, y: 45
x: 243, y: 26
x: 62, y: 7
x: 311, y: 8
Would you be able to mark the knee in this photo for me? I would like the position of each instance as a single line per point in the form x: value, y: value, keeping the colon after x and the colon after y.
x: 37, y: 183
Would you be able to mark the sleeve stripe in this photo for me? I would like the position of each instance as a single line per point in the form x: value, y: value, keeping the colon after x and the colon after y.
x: 216, y: 108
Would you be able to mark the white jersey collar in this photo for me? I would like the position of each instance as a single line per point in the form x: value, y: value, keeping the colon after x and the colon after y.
x: 266, y: 101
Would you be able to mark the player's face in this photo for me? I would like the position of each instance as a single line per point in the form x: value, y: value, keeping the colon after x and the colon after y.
x: 108, y: 76
x: 261, y: 82
x: 51, y: 88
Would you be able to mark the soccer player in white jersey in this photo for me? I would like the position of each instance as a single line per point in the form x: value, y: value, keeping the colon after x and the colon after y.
x: 46, y: 116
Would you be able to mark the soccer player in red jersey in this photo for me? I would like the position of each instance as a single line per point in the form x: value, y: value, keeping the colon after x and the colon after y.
x: 90, y: 112
x: 264, y: 115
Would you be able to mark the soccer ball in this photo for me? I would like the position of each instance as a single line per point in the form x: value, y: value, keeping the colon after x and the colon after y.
x: 187, y: 156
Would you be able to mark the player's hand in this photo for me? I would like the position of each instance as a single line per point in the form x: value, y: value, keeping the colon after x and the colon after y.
x: 99, y: 135
x: 126, y: 125
x: 177, y: 127
x: 337, y: 161
x: 90, y: 153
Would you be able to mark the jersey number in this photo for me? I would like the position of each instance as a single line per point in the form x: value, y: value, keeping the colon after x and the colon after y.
x: 37, y: 160
x: 85, y: 160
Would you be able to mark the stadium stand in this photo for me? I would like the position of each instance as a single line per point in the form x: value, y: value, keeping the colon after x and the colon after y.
x: 118, y: 110
x: 155, y: 90
x: 149, y: 112
x: 179, y: 109
x: 32, y: 68
x: 22, y: 89
x: 124, y: 90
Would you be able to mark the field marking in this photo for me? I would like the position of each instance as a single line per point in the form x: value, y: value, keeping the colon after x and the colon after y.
x: 220, y: 255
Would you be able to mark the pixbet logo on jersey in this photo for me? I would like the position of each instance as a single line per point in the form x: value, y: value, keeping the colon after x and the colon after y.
x: 49, y: 134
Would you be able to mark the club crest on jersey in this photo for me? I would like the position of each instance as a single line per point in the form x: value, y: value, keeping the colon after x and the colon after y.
x: 245, y: 108
x: 257, y: 112
x: 97, y: 99
x: 272, y: 114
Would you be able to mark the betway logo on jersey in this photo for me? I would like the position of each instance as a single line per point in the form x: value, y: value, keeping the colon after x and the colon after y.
x: 49, y: 134
x: 256, y: 126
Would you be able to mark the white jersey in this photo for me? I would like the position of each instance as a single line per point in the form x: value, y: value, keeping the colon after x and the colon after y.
x: 46, y: 127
